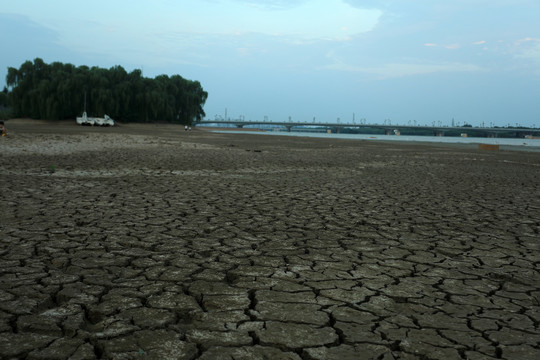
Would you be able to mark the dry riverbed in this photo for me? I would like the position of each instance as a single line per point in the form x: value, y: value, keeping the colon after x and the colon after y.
x: 150, y: 242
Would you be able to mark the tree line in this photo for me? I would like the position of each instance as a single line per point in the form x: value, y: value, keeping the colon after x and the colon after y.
x: 59, y: 91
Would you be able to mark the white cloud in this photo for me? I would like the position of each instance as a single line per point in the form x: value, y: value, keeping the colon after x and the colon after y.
x: 527, y: 52
x: 530, y: 55
x: 273, y: 4
x: 315, y: 19
x: 395, y: 70
x: 453, y: 46
x: 527, y: 40
x: 113, y: 27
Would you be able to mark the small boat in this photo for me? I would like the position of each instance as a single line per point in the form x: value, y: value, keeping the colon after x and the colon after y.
x: 94, y: 121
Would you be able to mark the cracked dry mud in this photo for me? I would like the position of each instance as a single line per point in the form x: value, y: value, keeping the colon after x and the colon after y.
x: 148, y: 242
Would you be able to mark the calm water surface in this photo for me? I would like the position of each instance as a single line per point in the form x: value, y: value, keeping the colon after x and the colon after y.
x: 504, y: 143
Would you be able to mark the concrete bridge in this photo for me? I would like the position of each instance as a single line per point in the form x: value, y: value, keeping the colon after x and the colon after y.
x: 388, y: 128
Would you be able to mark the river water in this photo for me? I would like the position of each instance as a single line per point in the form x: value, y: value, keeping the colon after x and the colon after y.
x: 504, y: 143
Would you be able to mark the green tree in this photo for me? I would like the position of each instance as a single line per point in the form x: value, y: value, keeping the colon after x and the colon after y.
x: 58, y: 91
x: 4, y: 99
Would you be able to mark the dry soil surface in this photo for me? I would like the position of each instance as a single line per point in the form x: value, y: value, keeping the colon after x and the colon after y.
x: 149, y: 242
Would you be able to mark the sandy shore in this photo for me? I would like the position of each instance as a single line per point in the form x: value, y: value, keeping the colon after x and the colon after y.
x: 147, y: 241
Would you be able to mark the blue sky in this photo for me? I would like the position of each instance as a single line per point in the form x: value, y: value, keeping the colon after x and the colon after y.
x: 423, y: 61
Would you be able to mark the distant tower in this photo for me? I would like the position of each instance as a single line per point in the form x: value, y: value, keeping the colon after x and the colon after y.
x: 453, y: 124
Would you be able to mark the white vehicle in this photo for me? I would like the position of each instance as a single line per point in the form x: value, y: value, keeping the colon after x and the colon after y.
x: 94, y: 121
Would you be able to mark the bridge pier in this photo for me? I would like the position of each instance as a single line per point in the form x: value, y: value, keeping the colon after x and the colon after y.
x: 388, y: 131
x: 438, y: 133
x: 288, y: 127
x: 240, y: 126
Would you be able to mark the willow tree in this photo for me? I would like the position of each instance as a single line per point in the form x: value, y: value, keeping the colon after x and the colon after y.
x: 60, y: 91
